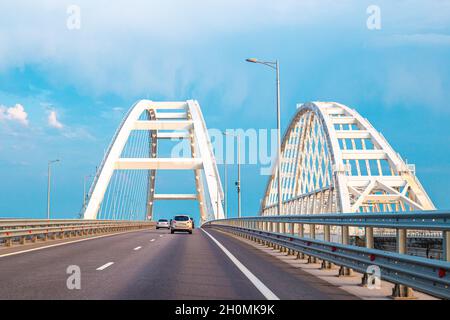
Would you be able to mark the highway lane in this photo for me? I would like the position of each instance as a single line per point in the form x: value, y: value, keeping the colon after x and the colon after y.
x: 154, y: 264
x: 286, y: 281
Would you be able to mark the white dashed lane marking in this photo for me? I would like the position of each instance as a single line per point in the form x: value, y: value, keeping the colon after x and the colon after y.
x: 103, y: 267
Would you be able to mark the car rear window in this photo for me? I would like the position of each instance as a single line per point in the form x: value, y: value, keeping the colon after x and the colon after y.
x: 162, y: 220
x: 181, y: 218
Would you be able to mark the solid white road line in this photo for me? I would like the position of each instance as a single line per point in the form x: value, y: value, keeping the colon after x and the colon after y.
x: 137, y: 248
x: 152, y: 240
x: 266, y: 292
x: 68, y: 242
x: 103, y: 267
x: 161, y: 236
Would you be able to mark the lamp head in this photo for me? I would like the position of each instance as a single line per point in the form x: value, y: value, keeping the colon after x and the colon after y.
x: 252, y: 60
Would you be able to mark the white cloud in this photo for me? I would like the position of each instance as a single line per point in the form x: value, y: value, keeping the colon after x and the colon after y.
x: 134, y: 48
x: 16, y: 114
x: 53, y: 120
x: 177, y: 48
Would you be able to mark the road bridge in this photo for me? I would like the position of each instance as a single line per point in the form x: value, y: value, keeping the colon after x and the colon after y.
x: 343, y: 186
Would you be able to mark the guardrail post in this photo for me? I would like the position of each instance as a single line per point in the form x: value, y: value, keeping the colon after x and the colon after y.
x: 271, y: 229
x: 301, y: 231
x: 326, y: 237
x: 345, y: 239
x: 401, y: 291
x: 301, y: 234
x: 263, y: 228
x: 255, y: 227
x: 283, y: 227
x: 369, y: 238
x: 292, y: 232
x: 276, y: 228
x: 312, y: 235
x: 245, y: 224
x: 369, y: 244
x: 326, y: 233
x: 401, y: 241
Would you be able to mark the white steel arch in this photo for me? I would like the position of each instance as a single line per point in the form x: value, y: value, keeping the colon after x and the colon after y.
x: 333, y: 160
x: 165, y: 120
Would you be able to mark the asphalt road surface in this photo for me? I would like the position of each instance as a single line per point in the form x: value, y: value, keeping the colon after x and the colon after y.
x: 154, y: 264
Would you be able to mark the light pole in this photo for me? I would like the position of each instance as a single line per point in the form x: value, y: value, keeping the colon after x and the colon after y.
x: 225, y: 134
x: 225, y: 169
x: 49, y: 173
x: 238, y: 182
x: 276, y: 66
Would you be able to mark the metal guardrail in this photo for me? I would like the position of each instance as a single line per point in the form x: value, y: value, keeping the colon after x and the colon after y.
x: 415, y: 220
x: 405, y: 271
x: 20, y: 231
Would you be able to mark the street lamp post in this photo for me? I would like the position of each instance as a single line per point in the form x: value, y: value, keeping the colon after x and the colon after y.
x: 238, y: 182
x: 225, y: 174
x: 49, y: 173
x: 276, y: 66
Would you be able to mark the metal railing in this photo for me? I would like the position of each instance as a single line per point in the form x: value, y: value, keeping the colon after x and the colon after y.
x: 405, y: 271
x: 21, y: 231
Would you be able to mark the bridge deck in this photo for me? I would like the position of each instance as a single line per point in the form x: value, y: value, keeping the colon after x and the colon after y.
x: 178, y: 266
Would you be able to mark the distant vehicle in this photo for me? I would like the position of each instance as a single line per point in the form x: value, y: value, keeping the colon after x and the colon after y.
x: 181, y: 223
x: 193, y: 224
x: 163, y: 223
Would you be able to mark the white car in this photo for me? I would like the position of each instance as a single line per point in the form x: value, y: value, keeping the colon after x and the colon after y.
x: 181, y: 223
x: 163, y: 223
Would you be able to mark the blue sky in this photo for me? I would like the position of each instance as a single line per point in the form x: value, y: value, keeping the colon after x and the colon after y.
x: 75, y: 85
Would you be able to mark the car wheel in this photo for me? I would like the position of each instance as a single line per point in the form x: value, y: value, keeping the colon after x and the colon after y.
x: 190, y: 232
x: 171, y: 231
